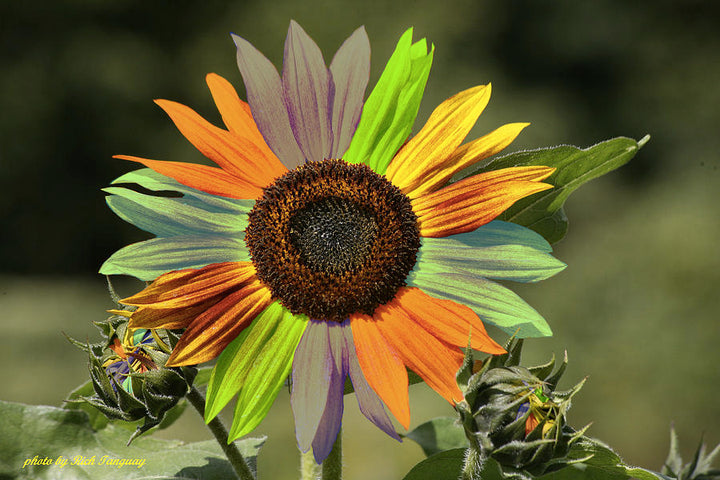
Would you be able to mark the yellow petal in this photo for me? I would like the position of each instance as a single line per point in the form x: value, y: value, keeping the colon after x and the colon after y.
x: 444, y: 131
x: 466, y: 156
x: 473, y: 202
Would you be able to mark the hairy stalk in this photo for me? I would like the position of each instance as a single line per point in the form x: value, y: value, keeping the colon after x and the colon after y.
x: 221, y: 435
x: 332, y: 466
x: 309, y: 470
x: 472, y: 468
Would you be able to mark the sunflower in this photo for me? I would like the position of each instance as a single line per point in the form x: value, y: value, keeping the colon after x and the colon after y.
x: 327, y: 246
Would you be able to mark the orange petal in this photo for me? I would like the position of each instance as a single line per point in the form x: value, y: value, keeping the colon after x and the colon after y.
x: 444, y: 131
x: 213, y: 330
x: 236, y: 114
x: 435, y: 361
x: 237, y: 155
x: 207, y: 179
x: 168, y: 318
x: 449, y: 321
x: 475, y: 201
x: 118, y: 348
x: 466, y: 156
x: 184, y: 288
x: 381, y: 366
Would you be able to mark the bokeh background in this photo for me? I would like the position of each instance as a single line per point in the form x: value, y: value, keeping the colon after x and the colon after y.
x: 637, y: 308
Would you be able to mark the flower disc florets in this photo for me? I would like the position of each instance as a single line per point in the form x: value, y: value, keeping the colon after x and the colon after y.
x: 330, y: 239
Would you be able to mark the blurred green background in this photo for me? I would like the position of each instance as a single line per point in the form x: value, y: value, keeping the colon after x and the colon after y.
x: 637, y: 307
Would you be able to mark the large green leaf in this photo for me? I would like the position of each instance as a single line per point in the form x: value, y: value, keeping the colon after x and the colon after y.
x: 543, y: 212
x: 599, y: 462
x: 30, y: 432
x: 445, y: 465
x: 439, y: 434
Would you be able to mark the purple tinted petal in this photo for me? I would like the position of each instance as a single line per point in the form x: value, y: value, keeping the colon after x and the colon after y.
x: 338, y: 344
x: 312, y: 375
x: 350, y: 70
x: 308, y: 91
x: 327, y: 430
x: 369, y: 402
x: 330, y: 423
x: 264, y: 94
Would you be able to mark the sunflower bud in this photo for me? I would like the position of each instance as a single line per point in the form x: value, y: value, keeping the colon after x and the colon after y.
x: 514, y: 414
x: 700, y: 468
x: 128, y: 373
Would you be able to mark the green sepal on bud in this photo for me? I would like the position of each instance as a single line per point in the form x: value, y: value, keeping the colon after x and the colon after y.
x: 700, y: 468
x: 128, y: 373
x: 515, y: 415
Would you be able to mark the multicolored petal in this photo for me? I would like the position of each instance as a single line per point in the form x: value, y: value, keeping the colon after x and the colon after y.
x: 151, y: 258
x: 256, y: 365
x: 444, y: 131
x: 314, y: 376
x: 238, y: 155
x: 309, y: 93
x: 411, y: 343
x: 492, y: 302
x: 390, y: 109
x: 215, y: 181
x: 475, y: 201
x: 265, y: 97
x: 231, y: 293
x: 473, y: 254
x: 311, y: 112
x: 318, y: 417
x: 350, y: 71
x: 381, y: 365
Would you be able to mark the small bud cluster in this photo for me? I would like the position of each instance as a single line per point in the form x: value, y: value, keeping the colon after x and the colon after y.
x: 515, y: 415
x: 128, y: 373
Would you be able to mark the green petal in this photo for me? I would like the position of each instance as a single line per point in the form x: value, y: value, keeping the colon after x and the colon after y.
x: 149, y: 259
x: 493, y: 303
x: 255, y: 364
x: 154, y: 181
x: 390, y: 110
x: 168, y: 216
x: 507, y: 262
x: 504, y: 233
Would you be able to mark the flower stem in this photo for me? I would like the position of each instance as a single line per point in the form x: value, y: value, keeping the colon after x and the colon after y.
x: 332, y: 466
x: 472, y: 468
x: 309, y: 470
x: 221, y: 435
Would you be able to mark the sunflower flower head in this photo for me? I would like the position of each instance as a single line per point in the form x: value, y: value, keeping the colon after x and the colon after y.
x: 128, y: 373
x: 327, y: 246
x: 516, y: 415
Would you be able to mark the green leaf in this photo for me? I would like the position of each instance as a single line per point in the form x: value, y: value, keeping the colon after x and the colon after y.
x: 543, y: 212
x: 491, y: 470
x: 439, y: 434
x: 390, y: 110
x: 445, y: 465
x: 203, y: 376
x: 603, y: 463
x: 58, y: 435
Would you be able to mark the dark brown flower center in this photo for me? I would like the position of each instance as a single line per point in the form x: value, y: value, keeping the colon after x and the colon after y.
x: 331, y: 239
